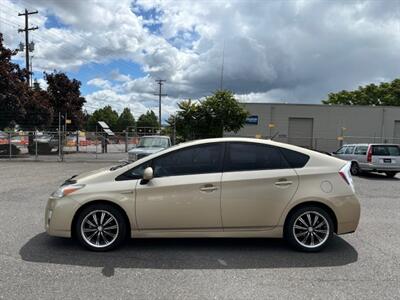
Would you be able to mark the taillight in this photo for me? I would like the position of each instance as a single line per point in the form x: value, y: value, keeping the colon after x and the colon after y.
x: 346, y: 175
x: 369, y: 154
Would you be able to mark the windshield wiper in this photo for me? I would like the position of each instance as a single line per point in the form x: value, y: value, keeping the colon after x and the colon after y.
x: 124, y: 163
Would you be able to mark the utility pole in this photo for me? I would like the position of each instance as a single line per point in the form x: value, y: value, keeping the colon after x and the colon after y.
x: 26, y: 30
x: 160, y: 82
x: 31, y: 71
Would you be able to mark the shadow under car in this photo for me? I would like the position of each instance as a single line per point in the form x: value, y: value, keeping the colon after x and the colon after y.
x: 202, y: 253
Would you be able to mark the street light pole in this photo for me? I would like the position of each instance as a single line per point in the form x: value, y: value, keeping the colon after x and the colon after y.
x: 160, y: 84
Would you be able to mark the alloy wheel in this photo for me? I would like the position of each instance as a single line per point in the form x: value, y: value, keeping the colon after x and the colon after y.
x: 99, y: 228
x: 311, y: 229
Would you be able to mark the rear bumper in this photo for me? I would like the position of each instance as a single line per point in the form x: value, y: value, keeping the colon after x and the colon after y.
x: 379, y: 168
x: 347, y: 210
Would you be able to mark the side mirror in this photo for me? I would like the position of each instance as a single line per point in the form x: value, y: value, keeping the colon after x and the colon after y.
x: 148, y: 174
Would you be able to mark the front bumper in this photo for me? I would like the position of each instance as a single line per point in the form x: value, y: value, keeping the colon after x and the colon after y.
x: 59, y: 213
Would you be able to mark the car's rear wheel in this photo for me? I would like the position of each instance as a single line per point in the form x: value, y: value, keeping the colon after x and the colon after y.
x: 355, y: 169
x: 390, y: 174
x: 309, y: 229
x: 100, y: 227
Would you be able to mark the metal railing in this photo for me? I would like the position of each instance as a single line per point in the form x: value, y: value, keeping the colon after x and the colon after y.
x: 71, y: 145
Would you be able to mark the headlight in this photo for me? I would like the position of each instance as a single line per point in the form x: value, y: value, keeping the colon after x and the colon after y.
x: 66, y: 190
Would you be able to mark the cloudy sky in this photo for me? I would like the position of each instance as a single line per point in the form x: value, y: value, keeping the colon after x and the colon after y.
x: 275, y: 51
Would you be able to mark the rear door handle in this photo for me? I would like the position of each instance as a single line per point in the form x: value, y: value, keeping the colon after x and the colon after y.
x: 128, y: 192
x: 283, y: 183
x: 208, y: 188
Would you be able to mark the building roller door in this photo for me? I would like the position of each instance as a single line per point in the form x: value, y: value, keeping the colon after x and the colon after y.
x: 301, y: 132
x: 396, y: 134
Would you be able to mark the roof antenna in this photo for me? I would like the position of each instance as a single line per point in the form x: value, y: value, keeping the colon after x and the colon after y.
x: 222, y: 67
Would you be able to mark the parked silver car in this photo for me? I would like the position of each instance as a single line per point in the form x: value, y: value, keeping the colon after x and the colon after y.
x: 149, y: 145
x: 383, y: 158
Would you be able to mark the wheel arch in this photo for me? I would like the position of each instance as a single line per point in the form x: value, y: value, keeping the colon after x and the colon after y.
x: 93, y: 202
x: 354, y: 162
x: 317, y: 204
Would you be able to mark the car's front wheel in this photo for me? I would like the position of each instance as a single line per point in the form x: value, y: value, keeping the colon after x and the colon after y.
x: 100, y: 227
x: 309, y: 229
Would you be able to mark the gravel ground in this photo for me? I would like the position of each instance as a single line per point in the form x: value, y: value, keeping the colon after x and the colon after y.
x: 363, y: 265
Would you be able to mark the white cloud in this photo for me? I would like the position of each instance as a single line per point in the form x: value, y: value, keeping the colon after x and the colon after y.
x: 286, y: 51
x: 100, y: 83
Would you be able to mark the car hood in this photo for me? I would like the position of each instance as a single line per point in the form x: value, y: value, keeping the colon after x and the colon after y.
x: 99, y: 175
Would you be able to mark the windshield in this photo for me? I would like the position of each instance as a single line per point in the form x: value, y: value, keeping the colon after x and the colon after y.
x: 150, y: 142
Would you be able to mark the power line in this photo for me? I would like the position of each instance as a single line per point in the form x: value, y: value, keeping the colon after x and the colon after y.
x: 26, y: 30
x: 160, y: 83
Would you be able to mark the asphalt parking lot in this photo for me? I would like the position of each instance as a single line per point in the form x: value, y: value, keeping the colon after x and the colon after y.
x: 362, y: 265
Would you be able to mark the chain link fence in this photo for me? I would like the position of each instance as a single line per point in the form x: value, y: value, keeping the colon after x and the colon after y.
x: 69, y: 146
x: 92, y: 146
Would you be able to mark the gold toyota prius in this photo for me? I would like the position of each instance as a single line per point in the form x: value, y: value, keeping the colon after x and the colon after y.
x: 225, y: 187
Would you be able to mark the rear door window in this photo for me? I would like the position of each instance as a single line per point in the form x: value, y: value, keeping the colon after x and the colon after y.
x: 252, y: 156
x: 361, y: 150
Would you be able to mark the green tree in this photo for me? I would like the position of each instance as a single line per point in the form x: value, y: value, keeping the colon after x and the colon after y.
x: 39, y: 113
x: 149, y: 119
x: 13, y: 89
x: 187, y: 120
x: 105, y: 114
x: 209, y: 118
x: 125, y: 120
x: 65, y: 97
x: 386, y: 93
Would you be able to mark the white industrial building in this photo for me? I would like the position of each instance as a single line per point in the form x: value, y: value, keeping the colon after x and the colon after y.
x: 322, y: 127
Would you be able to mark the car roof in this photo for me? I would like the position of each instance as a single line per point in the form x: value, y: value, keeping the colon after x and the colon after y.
x: 316, y: 156
x: 372, y: 144
x: 248, y: 140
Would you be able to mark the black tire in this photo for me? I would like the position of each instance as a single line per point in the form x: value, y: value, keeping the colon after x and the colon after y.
x: 118, y: 220
x: 355, y: 169
x: 390, y: 174
x: 293, y: 219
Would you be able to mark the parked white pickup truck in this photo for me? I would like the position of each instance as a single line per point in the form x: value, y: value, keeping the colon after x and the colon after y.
x: 148, y: 145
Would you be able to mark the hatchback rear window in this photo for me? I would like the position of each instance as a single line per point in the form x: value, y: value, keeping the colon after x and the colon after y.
x: 383, y: 150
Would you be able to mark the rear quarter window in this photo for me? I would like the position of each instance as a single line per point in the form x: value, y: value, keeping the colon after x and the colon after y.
x: 294, y: 158
x: 384, y: 150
